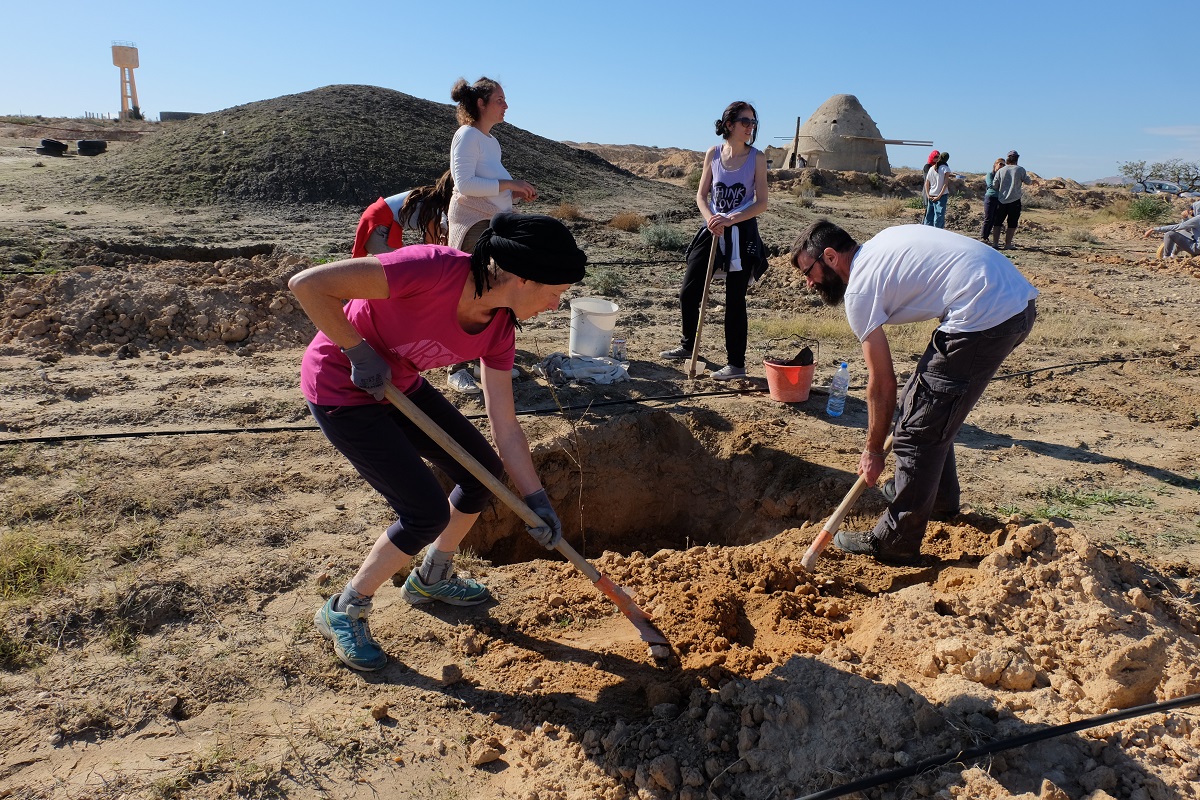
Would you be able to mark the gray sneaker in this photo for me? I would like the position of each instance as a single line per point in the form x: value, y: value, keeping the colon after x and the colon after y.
x: 728, y: 373
x: 352, y: 640
x: 680, y: 353
x: 453, y: 590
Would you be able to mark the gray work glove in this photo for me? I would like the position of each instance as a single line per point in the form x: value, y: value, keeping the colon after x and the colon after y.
x: 549, y: 534
x: 368, y: 370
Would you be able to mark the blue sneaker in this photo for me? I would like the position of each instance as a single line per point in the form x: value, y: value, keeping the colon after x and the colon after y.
x: 352, y: 640
x: 453, y: 590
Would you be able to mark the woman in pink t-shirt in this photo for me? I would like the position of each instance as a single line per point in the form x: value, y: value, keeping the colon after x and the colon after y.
x: 415, y: 309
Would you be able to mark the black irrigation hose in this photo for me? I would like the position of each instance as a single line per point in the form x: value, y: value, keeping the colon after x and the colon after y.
x: 76, y: 437
x: 999, y: 746
x: 531, y: 412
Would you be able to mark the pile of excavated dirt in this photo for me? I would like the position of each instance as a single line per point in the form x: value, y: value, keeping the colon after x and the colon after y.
x: 166, y: 305
x: 1045, y: 629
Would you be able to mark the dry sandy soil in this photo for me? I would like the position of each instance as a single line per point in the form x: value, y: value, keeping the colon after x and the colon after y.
x: 171, y: 520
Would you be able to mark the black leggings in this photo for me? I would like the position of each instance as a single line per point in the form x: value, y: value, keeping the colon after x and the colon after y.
x: 387, y: 449
x: 736, y: 283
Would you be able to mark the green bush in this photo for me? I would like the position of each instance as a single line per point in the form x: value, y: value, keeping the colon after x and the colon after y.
x: 1049, y: 202
x: 1083, y: 237
x: 1150, y: 208
x: 664, y: 237
x: 915, y: 202
x: 606, y: 281
x: 693, y: 179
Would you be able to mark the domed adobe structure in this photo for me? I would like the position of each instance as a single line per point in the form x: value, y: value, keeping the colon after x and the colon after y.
x: 841, y: 135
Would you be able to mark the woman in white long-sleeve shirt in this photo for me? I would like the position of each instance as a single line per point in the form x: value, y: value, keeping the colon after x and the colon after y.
x: 482, y: 186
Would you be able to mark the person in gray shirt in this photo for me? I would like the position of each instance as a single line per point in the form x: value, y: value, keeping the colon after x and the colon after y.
x: 1183, y: 236
x: 1008, y: 182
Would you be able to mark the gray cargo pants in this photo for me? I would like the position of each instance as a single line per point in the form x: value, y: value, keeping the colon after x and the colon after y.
x: 948, y: 382
x: 1174, y: 241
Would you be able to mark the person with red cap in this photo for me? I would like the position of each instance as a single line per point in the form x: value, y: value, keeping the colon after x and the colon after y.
x: 929, y: 162
x: 937, y: 191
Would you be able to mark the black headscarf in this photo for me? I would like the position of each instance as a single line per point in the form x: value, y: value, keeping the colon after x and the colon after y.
x: 531, y: 246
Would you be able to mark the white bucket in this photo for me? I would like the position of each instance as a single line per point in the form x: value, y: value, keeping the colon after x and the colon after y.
x: 592, y: 323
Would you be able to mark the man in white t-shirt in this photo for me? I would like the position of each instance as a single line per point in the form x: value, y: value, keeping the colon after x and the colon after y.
x: 913, y: 273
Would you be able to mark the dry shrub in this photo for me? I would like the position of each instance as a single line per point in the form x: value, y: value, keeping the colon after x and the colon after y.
x: 893, y: 207
x: 568, y: 212
x: 629, y: 221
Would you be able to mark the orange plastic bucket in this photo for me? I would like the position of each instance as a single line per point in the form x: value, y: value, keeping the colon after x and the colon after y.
x: 788, y: 383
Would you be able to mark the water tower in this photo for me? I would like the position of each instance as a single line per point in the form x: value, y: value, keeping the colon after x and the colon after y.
x: 126, y: 58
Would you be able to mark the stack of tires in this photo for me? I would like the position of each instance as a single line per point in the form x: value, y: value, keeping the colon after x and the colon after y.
x: 51, y: 147
x: 91, y: 147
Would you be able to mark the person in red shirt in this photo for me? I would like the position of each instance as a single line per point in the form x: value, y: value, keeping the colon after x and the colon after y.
x: 421, y: 210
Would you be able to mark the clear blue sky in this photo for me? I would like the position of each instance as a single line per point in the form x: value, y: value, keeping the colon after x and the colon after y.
x: 1076, y: 88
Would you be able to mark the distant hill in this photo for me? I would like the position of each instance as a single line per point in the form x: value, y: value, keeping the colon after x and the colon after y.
x: 346, y: 145
x: 647, y: 161
x: 1115, y: 180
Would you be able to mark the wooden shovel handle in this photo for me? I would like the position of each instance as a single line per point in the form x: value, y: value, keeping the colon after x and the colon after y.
x: 712, y: 260
x: 834, y: 522
x: 506, y: 495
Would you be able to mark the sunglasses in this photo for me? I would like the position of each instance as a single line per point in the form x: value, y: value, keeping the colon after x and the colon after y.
x: 747, y: 121
x: 819, y: 260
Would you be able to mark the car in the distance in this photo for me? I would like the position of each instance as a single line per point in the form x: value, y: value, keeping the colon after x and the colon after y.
x: 1153, y: 186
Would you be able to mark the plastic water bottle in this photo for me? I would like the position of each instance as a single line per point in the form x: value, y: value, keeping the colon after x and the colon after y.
x: 837, y: 391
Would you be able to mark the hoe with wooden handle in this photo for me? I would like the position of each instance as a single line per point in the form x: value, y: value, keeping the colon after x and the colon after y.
x: 712, y: 260
x: 835, y: 520
x: 660, y: 648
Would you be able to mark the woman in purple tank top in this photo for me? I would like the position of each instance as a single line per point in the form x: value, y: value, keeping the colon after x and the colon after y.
x: 732, y: 193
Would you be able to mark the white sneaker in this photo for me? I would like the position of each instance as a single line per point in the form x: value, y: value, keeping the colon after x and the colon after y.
x: 516, y: 372
x: 728, y: 373
x: 462, y: 381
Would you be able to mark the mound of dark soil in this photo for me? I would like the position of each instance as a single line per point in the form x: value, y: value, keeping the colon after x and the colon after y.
x: 338, y: 144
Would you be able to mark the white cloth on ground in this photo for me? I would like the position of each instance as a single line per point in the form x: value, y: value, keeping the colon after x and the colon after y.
x: 559, y: 369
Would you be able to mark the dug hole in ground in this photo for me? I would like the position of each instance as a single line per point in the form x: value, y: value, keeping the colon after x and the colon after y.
x: 169, y: 651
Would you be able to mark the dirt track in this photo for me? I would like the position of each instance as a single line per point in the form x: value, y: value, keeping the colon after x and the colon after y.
x: 180, y: 661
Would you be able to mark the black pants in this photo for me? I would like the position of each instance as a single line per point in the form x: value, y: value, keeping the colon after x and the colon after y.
x: 949, y: 380
x: 991, y: 206
x: 736, y: 283
x: 1008, y: 214
x: 387, y: 450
